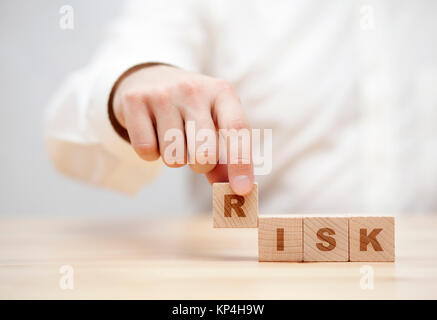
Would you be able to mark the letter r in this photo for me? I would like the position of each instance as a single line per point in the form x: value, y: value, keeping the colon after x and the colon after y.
x: 234, y: 201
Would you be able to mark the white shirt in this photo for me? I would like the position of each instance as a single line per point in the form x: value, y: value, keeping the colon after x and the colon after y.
x: 348, y: 89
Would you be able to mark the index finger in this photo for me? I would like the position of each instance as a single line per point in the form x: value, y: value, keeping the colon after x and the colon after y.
x: 235, y: 138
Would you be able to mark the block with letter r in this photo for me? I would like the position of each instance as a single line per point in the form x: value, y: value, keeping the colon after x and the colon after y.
x: 231, y: 210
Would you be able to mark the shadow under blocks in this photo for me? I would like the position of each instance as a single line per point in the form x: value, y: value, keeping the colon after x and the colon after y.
x: 300, y: 238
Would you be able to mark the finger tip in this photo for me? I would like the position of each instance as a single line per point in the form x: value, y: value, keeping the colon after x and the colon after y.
x: 242, y: 185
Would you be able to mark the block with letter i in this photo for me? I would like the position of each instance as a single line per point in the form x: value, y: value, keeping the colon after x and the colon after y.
x: 326, y: 238
x: 234, y: 211
x: 280, y: 238
x: 372, y: 239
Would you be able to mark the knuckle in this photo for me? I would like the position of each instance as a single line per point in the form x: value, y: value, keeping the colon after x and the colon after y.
x: 160, y: 97
x: 190, y: 88
x: 225, y: 86
x: 132, y: 96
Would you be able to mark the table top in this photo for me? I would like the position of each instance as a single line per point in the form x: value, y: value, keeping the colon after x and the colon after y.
x: 188, y: 259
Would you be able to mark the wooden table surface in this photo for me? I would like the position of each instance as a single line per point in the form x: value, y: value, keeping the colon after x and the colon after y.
x: 188, y: 259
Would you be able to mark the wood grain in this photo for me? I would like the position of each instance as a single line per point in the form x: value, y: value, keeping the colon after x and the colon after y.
x: 372, y: 239
x: 234, y: 211
x: 326, y: 238
x: 280, y: 239
x: 184, y: 258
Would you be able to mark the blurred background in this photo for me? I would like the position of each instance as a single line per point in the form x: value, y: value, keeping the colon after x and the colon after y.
x: 36, y: 55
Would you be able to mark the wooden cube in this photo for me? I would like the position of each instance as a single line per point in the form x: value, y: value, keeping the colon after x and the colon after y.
x: 280, y: 238
x: 234, y: 211
x: 326, y: 238
x: 371, y: 239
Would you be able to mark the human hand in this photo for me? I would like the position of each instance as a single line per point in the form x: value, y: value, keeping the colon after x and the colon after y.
x: 152, y: 100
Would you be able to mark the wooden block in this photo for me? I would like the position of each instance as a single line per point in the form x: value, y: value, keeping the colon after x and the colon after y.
x: 371, y: 239
x: 234, y: 211
x: 280, y: 239
x: 326, y: 238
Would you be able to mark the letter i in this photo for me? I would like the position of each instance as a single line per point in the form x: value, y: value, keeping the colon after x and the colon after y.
x: 280, y: 239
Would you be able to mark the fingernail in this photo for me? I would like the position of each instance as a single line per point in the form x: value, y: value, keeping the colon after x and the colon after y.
x: 242, y: 184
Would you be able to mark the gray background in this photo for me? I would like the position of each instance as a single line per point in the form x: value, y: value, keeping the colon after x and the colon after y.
x: 36, y: 55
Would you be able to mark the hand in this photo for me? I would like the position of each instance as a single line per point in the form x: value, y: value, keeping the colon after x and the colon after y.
x: 152, y: 100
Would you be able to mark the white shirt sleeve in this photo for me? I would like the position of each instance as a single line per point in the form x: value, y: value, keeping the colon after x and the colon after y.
x: 79, y: 136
